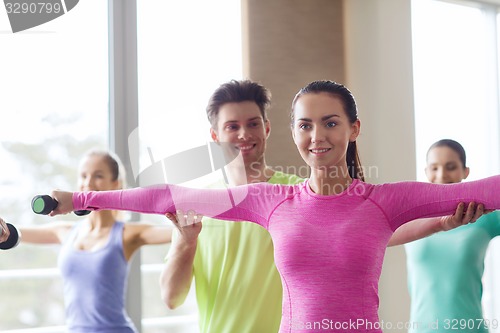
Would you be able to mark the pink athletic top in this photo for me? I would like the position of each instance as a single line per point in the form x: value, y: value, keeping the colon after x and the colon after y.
x: 328, y: 249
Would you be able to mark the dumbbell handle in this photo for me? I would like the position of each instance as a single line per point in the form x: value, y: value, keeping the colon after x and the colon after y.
x: 44, y: 204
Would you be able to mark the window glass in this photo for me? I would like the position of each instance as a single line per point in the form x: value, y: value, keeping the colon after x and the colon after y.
x: 186, y: 49
x: 54, y: 107
x: 456, y: 91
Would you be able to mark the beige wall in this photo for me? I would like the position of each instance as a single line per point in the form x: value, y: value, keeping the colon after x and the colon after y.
x: 379, y: 73
x: 288, y: 43
x: 365, y: 44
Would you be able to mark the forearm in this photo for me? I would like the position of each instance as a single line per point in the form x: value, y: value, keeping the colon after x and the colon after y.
x: 234, y: 204
x: 414, y: 230
x: 407, y: 201
x: 152, y: 200
x: 177, y: 274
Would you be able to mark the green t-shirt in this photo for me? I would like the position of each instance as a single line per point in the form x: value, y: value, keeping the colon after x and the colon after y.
x: 444, y: 277
x: 238, y: 287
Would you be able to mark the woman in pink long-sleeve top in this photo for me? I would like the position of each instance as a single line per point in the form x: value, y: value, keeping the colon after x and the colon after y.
x: 330, y: 233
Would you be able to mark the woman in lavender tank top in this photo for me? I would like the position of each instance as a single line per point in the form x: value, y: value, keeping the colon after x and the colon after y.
x: 96, y: 251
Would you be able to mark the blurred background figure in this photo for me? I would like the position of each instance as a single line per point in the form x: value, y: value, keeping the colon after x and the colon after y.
x: 445, y: 270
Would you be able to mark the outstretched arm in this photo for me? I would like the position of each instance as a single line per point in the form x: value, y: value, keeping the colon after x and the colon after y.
x: 421, y: 228
x: 159, y: 199
x: 50, y: 233
x: 177, y: 274
x: 136, y: 235
x: 253, y: 202
x: 406, y: 201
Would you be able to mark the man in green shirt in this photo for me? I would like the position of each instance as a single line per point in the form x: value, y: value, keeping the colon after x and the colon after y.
x: 238, y: 288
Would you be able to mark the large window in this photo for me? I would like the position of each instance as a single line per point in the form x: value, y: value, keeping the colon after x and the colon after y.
x: 456, y: 81
x: 457, y: 94
x: 186, y: 49
x: 54, y: 104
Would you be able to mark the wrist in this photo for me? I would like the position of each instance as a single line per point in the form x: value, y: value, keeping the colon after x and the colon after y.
x: 441, y: 224
x: 186, y: 244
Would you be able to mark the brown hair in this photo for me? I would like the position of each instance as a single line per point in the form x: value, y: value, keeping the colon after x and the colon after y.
x: 238, y: 91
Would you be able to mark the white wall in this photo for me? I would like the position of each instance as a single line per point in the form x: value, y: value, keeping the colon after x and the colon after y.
x: 379, y: 73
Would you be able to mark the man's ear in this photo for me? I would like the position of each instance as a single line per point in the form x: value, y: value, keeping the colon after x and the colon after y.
x: 267, y: 125
x: 214, y: 136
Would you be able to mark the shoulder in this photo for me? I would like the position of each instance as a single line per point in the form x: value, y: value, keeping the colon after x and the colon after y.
x: 398, y: 188
x: 131, y: 230
x: 493, y: 217
x: 61, y: 228
x: 490, y: 221
x: 361, y: 188
x: 133, y: 227
x: 136, y: 229
x: 64, y: 229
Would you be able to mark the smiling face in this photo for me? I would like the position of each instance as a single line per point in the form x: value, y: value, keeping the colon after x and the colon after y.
x: 444, y: 166
x: 322, y: 130
x: 242, y: 126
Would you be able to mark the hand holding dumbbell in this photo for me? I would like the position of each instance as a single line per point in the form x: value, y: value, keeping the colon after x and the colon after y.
x: 14, y: 236
x: 44, y: 204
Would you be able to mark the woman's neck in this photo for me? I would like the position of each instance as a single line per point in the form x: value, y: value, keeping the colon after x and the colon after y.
x: 101, y: 219
x: 329, y: 181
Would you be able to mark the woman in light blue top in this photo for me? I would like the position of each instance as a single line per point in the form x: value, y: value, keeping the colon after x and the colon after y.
x: 445, y: 269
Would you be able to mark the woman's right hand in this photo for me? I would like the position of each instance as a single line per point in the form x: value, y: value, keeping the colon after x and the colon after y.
x: 189, y: 225
x: 65, y: 202
x: 4, y: 232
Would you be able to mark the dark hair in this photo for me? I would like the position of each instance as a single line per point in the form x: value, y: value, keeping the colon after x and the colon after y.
x: 453, y: 145
x: 341, y: 92
x: 238, y: 91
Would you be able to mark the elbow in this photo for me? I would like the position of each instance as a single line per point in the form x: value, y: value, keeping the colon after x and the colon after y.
x: 172, y: 305
x: 170, y: 301
x: 395, y: 241
x: 169, y: 295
